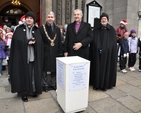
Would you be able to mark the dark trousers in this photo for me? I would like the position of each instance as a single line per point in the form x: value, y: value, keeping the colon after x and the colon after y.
x: 140, y: 61
x: 122, y: 62
x: 132, y: 59
x: 32, y: 89
x: 49, y: 80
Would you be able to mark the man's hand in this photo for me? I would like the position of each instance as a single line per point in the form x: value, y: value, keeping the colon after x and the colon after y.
x: 66, y: 54
x: 124, y: 55
x: 32, y: 41
x: 77, y: 46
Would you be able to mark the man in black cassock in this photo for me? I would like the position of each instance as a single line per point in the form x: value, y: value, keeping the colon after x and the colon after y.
x: 26, y: 59
x: 103, y: 55
x: 78, y: 37
x: 51, y: 36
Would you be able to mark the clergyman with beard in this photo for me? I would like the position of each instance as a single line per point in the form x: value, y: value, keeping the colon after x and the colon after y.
x: 103, y: 55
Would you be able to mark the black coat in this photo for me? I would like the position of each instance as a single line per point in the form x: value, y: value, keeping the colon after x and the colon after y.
x: 103, y: 56
x: 124, y: 46
x: 20, y: 80
x: 51, y: 52
x: 84, y: 36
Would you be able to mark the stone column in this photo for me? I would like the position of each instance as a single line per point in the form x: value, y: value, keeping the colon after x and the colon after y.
x: 59, y: 12
x: 132, y: 9
x: 68, y: 11
x: 46, y: 7
x: 63, y: 11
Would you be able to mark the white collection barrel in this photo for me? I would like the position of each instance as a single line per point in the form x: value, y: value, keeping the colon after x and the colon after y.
x: 72, y: 83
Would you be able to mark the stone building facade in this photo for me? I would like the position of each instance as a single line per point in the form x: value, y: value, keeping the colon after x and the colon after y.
x: 116, y: 9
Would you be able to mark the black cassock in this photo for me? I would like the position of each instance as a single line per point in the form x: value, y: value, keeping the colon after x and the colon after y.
x: 21, y: 80
x: 103, y: 56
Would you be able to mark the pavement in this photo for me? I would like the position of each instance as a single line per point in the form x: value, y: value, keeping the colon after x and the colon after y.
x: 124, y: 98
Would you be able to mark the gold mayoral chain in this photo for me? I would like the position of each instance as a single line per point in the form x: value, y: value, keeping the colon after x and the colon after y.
x: 51, y: 40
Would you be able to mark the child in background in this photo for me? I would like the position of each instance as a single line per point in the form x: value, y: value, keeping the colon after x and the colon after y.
x: 8, y: 44
x: 139, y: 45
x: 124, y: 52
x: 133, y: 48
x: 2, y: 53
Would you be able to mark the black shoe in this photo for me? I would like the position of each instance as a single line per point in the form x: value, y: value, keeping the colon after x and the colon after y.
x: 104, y: 89
x: 95, y: 88
x: 24, y: 98
x: 54, y: 87
x: 35, y: 95
x: 9, y: 79
x: 46, y: 89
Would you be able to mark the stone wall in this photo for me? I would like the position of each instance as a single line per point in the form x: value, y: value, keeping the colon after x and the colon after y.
x: 116, y: 9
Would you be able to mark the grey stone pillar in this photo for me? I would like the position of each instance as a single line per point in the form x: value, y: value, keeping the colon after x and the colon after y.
x: 132, y: 16
x: 46, y: 7
x: 68, y: 11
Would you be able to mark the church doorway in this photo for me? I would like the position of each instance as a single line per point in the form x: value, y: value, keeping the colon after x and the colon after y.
x: 13, y: 13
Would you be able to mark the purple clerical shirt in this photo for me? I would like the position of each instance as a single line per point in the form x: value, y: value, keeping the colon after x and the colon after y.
x: 77, y: 26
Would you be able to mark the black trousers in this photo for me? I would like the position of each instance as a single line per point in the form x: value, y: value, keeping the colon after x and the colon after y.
x: 122, y: 62
x: 140, y: 61
x: 49, y: 80
x: 132, y: 59
x: 32, y: 89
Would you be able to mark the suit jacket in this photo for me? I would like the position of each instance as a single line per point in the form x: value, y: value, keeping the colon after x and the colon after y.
x: 84, y: 36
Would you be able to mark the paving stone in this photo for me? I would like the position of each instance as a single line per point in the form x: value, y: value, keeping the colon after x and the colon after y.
x: 139, y: 112
x: 119, y: 82
x: 88, y: 110
x: 96, y: 94
x: 11, y: 105
x: 131, y: 90
x: 6, y: 93
x: 116, y: 93
x: 133, y: 74
x: 135, y: 82
x: 42, y: 106
x: 41, y: 96
x: 109, y: 105
x: 54, y: 94
x: 131, y: 103
x: 125, y: 78
x: 4, y: 81
x: 139, y: 77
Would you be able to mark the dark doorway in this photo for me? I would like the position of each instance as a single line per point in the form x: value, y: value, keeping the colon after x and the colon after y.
x: 13, y: 13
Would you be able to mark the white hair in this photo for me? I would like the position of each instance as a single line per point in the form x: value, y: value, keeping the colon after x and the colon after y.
x: 79, y: 10
x: 50, y: 12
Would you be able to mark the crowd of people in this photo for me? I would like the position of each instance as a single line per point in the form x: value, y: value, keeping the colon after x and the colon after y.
x: 31, y: 51
x: 128, y: 45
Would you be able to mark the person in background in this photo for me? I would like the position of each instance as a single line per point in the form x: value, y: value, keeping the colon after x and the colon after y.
x: 2, y: 33
x: 8, y: 29
x: 133, y: 49
x: 124, y: 52
x: 78, y: 37
x: 2, y: 53
x: 62, y: 36
x: 139, y: 45
x: 8, y: 41
x: 52, y: 48
x: 26, y: 59
x: 6, y: 22
x: 121, y: 29
x: 103, y: 55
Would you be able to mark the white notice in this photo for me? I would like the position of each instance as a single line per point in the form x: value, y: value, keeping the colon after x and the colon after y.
x: 94, y: 12
x: 78, y: 76
x: 60, y: 74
